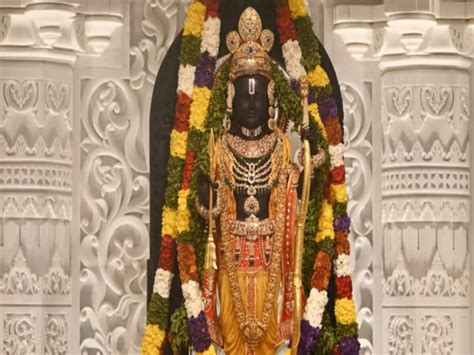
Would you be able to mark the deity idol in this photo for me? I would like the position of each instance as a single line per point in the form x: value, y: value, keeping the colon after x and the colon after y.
x: 261, y: 237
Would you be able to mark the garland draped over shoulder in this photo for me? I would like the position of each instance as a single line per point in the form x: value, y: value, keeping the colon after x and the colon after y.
x: 200, y: 106
x: 326, y: 244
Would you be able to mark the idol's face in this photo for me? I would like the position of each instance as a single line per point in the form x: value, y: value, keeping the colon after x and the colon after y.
x: 250, y: 105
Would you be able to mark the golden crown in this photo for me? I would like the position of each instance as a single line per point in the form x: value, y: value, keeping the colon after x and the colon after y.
x: 250, y: 46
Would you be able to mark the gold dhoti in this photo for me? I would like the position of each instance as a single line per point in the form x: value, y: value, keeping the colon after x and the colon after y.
x: 253, y: 287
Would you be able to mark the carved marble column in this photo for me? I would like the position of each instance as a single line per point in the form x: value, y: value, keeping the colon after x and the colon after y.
x: 44, y: 48
x: 422, y: 170
x: 425, y: 180
x: 36, y: 91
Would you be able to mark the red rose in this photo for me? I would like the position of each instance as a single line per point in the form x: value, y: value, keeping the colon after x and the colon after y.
x: 338, y: 175
x: 188, y: 170
x: 183, y: 106
x: 333, y: 130
x: 344, y: 287
x: 167, y: 253
x: 285, y: 25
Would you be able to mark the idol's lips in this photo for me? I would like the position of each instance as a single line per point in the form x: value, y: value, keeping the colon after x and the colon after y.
x: 251, y: 114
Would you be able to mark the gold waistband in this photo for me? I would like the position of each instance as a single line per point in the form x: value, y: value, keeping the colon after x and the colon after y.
x: 252, y: 230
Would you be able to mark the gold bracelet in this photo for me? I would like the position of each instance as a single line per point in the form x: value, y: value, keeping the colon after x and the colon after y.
x: 204, y: 212
x: 316, y: 160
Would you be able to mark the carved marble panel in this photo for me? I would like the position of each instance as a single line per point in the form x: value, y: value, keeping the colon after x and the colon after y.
x: 56, y: 329
x: 400, y: 335
x: 437, y: 335
x: 19, y: 334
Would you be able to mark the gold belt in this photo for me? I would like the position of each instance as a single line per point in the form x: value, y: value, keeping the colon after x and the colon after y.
x: 252, y: 230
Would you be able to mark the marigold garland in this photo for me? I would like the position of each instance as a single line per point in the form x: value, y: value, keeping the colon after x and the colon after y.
x: 201, y: 98
x: 167, y: 253
x: 168, y: 226
x: 297, y: 8
x: 175, y: 216
x: 330, y: 242
x: 195, y: 19
x: 152, y: 340
x: 178, y: 144
x: 318, y: 77
x: 345, y: 312
x: 339, y: 193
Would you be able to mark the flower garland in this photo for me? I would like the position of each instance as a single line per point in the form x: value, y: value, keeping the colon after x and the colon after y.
x: 300, y: 51
x: 187, y: 261
x: 175, y: 215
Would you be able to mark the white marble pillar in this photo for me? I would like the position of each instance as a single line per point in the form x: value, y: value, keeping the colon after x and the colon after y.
x: 36, y: 90
x: 44, y: 48
x: 422, y: 168
x: 426, y: 173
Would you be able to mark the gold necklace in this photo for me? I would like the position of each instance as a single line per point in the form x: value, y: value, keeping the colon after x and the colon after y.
x: 251, y: 148
x: 252, y: 175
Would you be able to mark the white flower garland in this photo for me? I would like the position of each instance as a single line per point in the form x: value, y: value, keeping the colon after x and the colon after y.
x: 192, y: 298
x: 293, y: 57
x: 186, y: 79
x: 337, y: 155
x: 210, y: 38
x: 162, y: 284
x: 343, y: 265
x: 315, y: 305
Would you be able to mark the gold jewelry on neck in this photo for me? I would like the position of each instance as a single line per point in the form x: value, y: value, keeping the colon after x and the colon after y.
x: 251, y: 133
x: 250, y: 46
x: 251, y: 176
x: 251, y: 149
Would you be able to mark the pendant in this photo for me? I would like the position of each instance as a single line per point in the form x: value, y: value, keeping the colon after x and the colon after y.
x: 251, y: 205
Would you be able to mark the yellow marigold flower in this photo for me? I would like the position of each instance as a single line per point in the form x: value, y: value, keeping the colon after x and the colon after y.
x: 178, y: 141
x: 152, y: 340
x: 198, y: 111
x: 324, y: 233
x: 326, y: 216
x: 183, y: 199
x: 345, y: 311
x: 318, y: 77
x: 168, y: 225
x: 195, y: 19
x: 339, y: 193
x: 314, y: 111
x: 297, y: 8
x: 182, y: 223
x: 209, y: 351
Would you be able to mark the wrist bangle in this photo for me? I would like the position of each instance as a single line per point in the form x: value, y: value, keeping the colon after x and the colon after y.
x: 316, y: 160
x: 204, y: 212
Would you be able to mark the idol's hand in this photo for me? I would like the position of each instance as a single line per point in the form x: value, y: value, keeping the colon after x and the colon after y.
x: 204, y: 184
x: 307, y: 132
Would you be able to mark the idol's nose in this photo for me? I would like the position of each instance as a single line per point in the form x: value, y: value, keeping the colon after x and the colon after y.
x: 252, y: 102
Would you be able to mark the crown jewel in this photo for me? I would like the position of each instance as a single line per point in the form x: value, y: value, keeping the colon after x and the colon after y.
x: 250, y: 46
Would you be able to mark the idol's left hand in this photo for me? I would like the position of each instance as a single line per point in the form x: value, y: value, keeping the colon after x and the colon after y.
x: 307, y: 132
